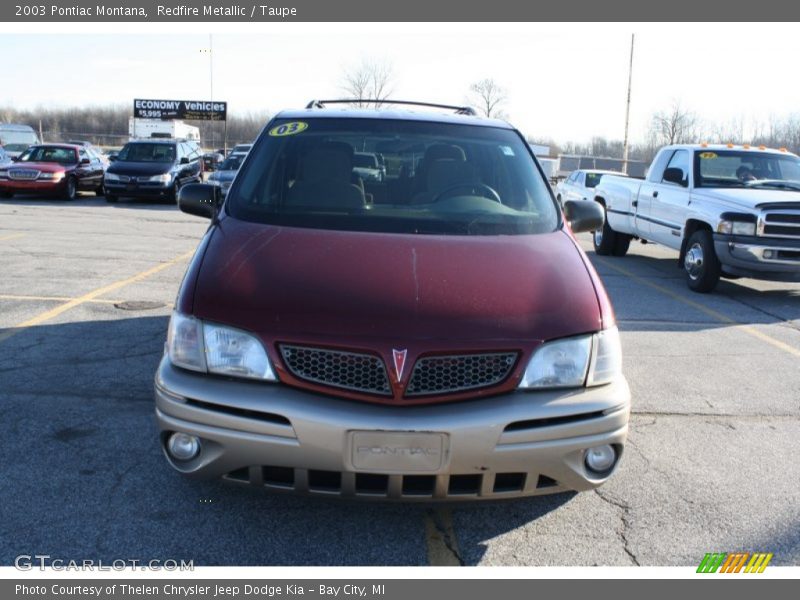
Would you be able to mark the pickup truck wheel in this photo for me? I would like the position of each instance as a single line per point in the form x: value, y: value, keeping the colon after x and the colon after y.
x: 701, y: 263
x: 621, y: 245
x: 604, y: 240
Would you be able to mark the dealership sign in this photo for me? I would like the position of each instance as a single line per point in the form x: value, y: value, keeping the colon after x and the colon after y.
x: 190, y: 110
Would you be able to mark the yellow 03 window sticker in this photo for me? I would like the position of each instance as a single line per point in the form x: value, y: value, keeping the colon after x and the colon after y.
x: 708, y: 155
x: 288, y: 129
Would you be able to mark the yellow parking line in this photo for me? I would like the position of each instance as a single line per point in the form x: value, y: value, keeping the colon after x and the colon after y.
x: 52, y: 313
x: 53, y: 299
x: 718, y: 316
x: 440, y: 539
x: 12, y: 236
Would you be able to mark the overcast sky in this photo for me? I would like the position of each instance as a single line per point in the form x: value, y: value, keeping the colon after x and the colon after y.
x: 563, y: 81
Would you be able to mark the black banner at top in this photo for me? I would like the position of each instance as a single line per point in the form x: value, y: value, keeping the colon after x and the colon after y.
x: 188, y: 110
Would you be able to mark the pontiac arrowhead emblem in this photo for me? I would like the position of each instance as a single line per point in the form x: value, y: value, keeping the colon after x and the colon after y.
x: 399, y: 357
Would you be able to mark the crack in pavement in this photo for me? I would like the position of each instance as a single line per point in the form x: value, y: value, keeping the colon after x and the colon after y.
x: 441, y: 539
x: 623, y: 532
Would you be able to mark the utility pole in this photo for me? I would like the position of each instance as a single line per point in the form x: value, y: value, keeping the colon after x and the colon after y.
x: 210, y: 52
x: 627, y: 113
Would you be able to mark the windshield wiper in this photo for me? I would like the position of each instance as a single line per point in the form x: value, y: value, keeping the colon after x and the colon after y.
x: 779, y: 184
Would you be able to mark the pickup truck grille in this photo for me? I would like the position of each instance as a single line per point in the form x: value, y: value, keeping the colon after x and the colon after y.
x: 353, y: 371
x: 451, y: 374
x: 782, y: 224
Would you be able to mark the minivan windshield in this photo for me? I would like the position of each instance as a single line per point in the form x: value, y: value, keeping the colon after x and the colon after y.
x: 145, y: 152
x: 440, y: 178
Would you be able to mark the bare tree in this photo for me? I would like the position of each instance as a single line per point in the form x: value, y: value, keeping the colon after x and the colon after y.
x: 488, y: 97
x: 370, y: 82
x: 674, y: 126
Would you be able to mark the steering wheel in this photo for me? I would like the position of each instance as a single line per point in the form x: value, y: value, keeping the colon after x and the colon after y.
x: 488, y: 192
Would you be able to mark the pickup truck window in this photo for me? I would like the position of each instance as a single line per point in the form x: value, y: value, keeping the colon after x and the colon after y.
x: 680, y: 160
x: 441, y: 178
x: 656, y: 172
x: 747, y: 168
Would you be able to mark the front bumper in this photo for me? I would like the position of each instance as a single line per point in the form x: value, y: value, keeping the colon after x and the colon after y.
x: 32, y: 187
x: 277, y: 437
x: 759, y: 257
x: 139, y: 190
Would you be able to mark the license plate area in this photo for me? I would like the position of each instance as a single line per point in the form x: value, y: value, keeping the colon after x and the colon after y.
x: 397, y: 451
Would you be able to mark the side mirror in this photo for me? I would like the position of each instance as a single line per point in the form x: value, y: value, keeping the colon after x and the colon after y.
x: 199, y: 199
x: 675, y: 175
x: 85, y: 161
x: 584, y: 215
x: 184, y: 160
x: 112, y: 157
x: 15, y: 158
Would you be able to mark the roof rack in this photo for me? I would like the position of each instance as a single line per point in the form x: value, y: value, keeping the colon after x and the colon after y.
x: 459, y: 110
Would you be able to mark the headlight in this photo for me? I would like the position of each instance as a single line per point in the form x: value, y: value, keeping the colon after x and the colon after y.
x: 52, y: 176
x: 573, y: 362
x: 185, y: 343
x: 210, y: 348
x: 163, y: 178
x: 737, y: 227
x: 234, y: 352
x: 111, y: 177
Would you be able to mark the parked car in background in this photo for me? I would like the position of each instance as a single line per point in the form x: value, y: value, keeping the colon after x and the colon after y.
x: 53, y: 170
x: 15, y: 139
x: 580, y: 184
x: 367, y: 167
x: 450, y: 342
x: 223, y: 176
x: 154, y: 169
x: 240, y: 149
x: 729, y: 211
x: 212, y: 160
x: 5, y: 159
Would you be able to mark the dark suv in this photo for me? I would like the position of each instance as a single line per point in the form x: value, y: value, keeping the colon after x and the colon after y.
x: 439, y: 335
x: 153, y: 168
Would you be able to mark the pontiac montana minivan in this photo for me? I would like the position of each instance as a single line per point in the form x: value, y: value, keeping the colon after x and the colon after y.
x: 437, y: 334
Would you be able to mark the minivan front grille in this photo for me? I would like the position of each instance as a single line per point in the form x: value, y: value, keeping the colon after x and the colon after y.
x: 458, y: 373
x: 353, y: 371
x: 782, y: 224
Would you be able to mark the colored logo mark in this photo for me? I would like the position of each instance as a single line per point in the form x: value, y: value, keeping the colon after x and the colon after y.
x: 734, y: 562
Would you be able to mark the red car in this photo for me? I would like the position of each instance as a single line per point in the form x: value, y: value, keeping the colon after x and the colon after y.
x: 434, y: 334
x: 53, y: 170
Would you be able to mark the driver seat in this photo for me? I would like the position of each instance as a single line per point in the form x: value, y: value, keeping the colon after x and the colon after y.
x: 443, y: 174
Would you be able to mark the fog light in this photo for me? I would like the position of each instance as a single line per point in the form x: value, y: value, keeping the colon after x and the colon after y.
x: 768, y: 254
x: 182, y: 446
x: 600, y: 458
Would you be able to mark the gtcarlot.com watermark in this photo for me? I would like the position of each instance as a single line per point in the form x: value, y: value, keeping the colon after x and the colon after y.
x: 42, y: 562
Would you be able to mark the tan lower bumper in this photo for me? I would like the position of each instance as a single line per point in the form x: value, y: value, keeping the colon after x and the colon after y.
x: 281, y: 438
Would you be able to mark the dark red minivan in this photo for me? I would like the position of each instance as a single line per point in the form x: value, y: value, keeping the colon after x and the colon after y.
x: 434, y: 334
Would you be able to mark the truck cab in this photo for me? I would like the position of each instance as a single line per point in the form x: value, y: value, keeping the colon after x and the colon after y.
x: 730, y: 211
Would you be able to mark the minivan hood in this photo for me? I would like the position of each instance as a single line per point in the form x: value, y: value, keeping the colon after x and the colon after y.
x: 139, y: 168
x: 355, y: 288
x: 748, y: 198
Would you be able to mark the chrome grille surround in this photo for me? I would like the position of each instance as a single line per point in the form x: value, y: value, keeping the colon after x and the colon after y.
x: 23, y: 174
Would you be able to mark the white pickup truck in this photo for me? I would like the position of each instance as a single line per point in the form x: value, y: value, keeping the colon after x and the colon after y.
x: 731, y: 211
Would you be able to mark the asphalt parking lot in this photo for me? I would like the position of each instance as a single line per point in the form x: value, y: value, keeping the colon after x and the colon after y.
x: 86, y: 289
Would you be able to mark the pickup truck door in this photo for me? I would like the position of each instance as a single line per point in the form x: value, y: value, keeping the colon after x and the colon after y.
x: 667, y: 211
